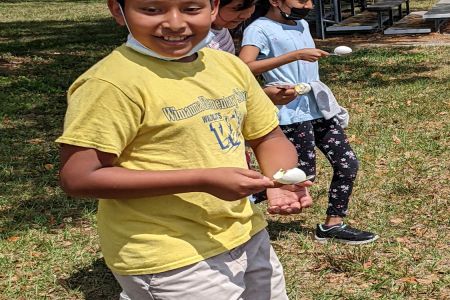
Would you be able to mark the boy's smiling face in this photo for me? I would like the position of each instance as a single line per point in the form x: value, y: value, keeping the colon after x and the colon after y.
x: 169, y: 27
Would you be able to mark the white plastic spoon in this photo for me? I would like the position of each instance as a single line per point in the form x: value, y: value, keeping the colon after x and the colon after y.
x: 291, y: 176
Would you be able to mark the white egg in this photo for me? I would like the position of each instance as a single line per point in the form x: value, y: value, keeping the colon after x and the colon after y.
x: 302, y: 88
x: 341, y: 50
x: 291, y: 176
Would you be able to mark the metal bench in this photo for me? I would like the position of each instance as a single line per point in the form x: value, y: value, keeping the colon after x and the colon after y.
x: 439, y: 13
x: 329, y: 12
x: 388, y: 6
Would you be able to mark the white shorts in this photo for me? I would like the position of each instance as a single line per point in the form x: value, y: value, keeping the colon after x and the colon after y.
x: 251, y: 271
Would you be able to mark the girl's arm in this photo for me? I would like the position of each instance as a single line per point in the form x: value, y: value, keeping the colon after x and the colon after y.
x: 89, y: 172
x: 248, y: 54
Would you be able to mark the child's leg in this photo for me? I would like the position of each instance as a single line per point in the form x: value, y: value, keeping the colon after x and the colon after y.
x: 302, y: 136
x: 220, y: 277
x: 250, y: 271
x: 332, y: 141
x: 264, y: 278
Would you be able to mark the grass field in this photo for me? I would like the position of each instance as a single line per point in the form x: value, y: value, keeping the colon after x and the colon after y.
x: 398, y: 98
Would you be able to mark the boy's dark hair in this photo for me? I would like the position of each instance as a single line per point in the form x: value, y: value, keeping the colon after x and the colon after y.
x: 122, y: 2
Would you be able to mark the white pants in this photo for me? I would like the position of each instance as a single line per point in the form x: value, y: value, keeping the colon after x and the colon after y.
x: 251, y: 271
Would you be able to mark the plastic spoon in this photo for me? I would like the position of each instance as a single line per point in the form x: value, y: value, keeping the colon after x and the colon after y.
x: 291, y: 176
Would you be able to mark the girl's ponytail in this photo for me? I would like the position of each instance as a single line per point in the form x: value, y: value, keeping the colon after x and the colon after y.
x: 261, y: 9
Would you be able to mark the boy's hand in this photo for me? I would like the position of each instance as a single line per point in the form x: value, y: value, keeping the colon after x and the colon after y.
x: 289, y: 199
x: 235, y: 183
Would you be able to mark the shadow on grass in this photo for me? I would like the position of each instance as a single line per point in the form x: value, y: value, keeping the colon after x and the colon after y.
x: 38, y: 62
x: 382, y: 67
x: 95, y: 282
x: 63, y: 37
x: 279, y: 230
x: 29, y: 172
x: 48, y: 214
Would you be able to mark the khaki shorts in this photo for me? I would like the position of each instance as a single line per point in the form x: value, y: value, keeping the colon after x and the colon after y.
x: 251, y: 271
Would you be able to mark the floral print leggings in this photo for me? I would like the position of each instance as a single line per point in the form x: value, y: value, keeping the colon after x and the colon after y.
x: 329, y: 137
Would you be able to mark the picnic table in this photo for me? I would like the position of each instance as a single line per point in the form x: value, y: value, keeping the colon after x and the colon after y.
x: 329, y: 13
x: 388, y: 6
x: 440, y: 12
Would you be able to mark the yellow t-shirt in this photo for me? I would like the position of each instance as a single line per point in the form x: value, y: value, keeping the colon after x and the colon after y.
x: 159, y: 115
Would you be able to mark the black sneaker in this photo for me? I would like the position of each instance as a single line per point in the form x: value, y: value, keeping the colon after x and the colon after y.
x: 344, y: 234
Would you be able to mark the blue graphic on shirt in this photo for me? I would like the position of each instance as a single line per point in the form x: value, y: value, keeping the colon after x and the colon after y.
x: 225, y: 131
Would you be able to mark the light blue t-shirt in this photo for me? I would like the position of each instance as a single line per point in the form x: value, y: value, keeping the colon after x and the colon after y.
x: 274, y: 39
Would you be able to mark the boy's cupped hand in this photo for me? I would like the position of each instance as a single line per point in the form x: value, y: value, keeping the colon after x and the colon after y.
x: 289, y: 199
x: 235, y: 183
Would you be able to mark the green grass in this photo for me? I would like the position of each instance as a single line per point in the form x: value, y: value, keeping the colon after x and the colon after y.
x: 398, y: 100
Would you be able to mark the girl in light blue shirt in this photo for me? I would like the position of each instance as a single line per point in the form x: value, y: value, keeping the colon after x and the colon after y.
x: 279, y: 46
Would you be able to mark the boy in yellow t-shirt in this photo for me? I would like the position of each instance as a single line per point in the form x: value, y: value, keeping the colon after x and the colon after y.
x: 156, y: 131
